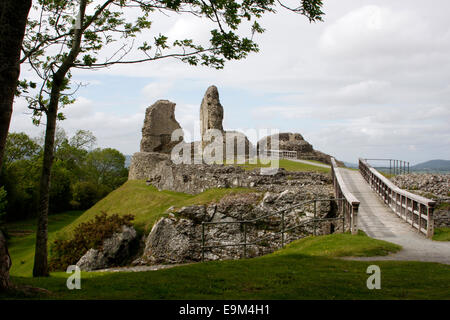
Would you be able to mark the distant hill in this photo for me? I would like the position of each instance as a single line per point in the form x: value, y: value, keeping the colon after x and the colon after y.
x: 437, y: 166
x: 432, y: 166
x: 351, y: 165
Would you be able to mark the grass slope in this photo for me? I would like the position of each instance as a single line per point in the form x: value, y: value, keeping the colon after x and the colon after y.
x: 134, y: 197
x: 305, y: 269
x: 148, y: 204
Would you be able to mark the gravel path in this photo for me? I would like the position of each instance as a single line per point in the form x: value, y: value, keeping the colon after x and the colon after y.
x: 311, y: 163
x: 380, y: 222
x: 140, y: 268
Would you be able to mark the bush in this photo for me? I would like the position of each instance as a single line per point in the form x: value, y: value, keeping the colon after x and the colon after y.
x: 86, y: 194
x: 87, y: 235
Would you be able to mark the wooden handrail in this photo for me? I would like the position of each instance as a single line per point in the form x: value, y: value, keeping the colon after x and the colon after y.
x: 349, y: 206
x: 414, y: 209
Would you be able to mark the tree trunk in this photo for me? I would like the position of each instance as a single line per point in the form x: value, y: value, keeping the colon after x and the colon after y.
x: 40, y: 268
x: 13, y: 19
x: 5, y: 264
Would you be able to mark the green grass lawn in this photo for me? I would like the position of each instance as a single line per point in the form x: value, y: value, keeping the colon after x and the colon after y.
x: 305, y: 269
x: 288, y: 165
x: 23, y: 239
x: 441, y: 234
x: 146, y: 203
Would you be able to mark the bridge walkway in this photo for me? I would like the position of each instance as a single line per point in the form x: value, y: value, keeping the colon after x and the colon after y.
x: 378, y: 221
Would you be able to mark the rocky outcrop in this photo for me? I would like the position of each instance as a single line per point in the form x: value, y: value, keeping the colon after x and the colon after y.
x: 294, y: 142
x: 178, y: 238
x: 159, y: 125
x: 115, y: 251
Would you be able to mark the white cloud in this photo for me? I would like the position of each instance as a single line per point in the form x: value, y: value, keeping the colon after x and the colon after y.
x: 157, y: 90
x: 374, y: 78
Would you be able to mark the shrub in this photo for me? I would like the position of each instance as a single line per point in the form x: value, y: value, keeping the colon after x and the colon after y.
x: 87, y: 235
x: 86, y: 194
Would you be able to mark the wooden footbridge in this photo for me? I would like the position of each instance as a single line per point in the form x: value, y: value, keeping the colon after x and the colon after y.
x: 372, y: 203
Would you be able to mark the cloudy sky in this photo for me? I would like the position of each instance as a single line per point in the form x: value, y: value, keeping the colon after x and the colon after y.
x: 372, y: 80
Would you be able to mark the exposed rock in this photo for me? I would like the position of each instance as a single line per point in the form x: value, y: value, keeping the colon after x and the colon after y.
x: 115, y: 251
x: 159, y: 125
x: 178, y: 239
x: 169, y: 242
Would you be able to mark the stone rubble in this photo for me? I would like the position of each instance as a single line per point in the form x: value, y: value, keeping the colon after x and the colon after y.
x: 432, y: 186
x: 159, y: 171
x: 436, y: 184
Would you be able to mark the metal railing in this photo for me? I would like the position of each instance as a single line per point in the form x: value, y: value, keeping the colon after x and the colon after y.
x: 395, y: 166
x: 279, y: 154
x: 414, y: 209
x: 243, y: 227
x: 347, y: 204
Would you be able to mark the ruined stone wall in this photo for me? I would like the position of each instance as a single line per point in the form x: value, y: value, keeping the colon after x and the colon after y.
x: 159, y: 124
x: 161, y: 172
x: 178, y: 237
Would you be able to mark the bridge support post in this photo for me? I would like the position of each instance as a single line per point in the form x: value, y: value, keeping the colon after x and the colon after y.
x: 354, y: 219
x: 430, y: 222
